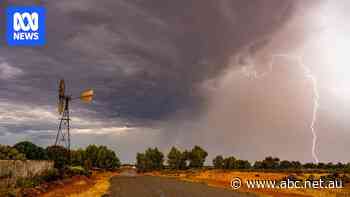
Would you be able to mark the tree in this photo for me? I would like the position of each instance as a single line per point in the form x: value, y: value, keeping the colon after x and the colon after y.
x: 59, y: 155
x: 96, y: 156
x: 31, y: 151
x: 258, y: 165
x: 91, y: 154
x: 155, y: 157
x: 9, y: 153
x: 177, y: 159
x: 270, y: 163
x: 106, y: 159
x: 310, y: 166
x: 321, y: 165
x: 285, y: 164
x: 152, y: 159
x: 141, y: 162
x: 296, y: 165
x: 243, y: 164
x: 218, y: 162
x: 78, y: 157
x: 230, y: 163
x: 197, y: 157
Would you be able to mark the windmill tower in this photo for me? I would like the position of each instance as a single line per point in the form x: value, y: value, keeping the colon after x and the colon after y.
x: 64, y: 100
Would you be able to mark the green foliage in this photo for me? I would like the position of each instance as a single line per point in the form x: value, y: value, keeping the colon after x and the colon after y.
x: 47, y: 176
x: 230, y: 163
x: 152, y: 159
x: 91, y: 154
x: 258, y: 165
x: 59, y: 155
x: 106, y: 159
x: 242, y: 164
x: 218, y: 162
x: 77, y: 170
x: 310, y: 166
x: 177, y: 160
x: 31, y: 151
x: 141, y: 162
x: 271, y: 163
x: 9, y: 153
x: 285, y: 164
x: 78, y: 157
x: 347, y: 168
x: 96, y: 156
x: 51, y: 175
x: 197, y: 157
x: 27, y: 182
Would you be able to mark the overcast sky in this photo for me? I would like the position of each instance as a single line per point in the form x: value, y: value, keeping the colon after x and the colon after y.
x: 183, y: 73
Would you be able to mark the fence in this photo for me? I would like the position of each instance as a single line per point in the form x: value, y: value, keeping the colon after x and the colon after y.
x: 28, y: 168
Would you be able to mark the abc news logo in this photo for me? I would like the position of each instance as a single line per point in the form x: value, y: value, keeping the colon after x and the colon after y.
x: 29, y: 29
x: 26, y: 26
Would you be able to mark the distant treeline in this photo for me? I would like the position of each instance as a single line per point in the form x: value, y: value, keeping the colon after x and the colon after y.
x: 153, y: 159
x: 94, y: 156
x: 91, y: 157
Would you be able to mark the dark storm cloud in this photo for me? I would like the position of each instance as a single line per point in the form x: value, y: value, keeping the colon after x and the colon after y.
x: 143, y: 58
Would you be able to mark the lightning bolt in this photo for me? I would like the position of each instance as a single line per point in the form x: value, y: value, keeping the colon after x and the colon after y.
x: 251, y: 72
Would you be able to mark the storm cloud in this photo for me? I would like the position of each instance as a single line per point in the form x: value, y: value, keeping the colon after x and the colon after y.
x: 151, y: 63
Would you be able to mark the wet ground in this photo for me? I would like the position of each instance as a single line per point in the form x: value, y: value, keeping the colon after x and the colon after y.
x: 132, y: 185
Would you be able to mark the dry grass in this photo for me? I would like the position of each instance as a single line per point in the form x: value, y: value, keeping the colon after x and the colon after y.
x: 97, y: 185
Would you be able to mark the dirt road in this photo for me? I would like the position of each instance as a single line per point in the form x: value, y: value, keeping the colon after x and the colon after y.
x: 149, y: 186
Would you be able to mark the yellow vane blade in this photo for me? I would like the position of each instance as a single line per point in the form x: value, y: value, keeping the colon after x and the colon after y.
x: 61, y: 90
x: 60, y: 106
x: 87, y: 96
x: 61, y: 94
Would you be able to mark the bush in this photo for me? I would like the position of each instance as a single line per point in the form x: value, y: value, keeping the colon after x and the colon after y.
x: 51, y: 175
x: 78, y: 157
x: 59, y: 155
x: 218, y: 162
x: 106, y: 159
x: 77, y: 170
x: 28, y: 182
x: 177, y: 159
x: 31, y: 151
x: 197, y: 157
x: 96, y: 156
x: 9, y: 153
x: 152, y: 159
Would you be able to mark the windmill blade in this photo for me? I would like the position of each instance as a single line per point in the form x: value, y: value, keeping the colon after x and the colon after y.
x: 61, y: 95
x: 60, y: 106
x: 87, y: 95
x: 62, y: 87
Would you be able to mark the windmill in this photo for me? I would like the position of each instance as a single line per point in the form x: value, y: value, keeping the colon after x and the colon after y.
x: 63, y: 133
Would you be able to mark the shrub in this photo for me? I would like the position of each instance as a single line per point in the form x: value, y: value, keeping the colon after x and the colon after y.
x: 197, y: 157
x: 177, y: 159
x: 218, y: 162
x: 106, y: 159
x: 31, y: 151
x: 51, y: 175
x: 152, y: 159
x: 78, y: 157
x: 27, y: 182
x: 59, y: 155
x: 9, y: 153
x: 77, y: 170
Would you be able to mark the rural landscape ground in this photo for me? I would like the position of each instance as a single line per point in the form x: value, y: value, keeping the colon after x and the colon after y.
x: 97, y: 171
x: 128, y: 183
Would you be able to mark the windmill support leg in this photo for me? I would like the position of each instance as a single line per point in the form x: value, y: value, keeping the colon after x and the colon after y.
x: 59, y: 131
x: 63, y: 133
